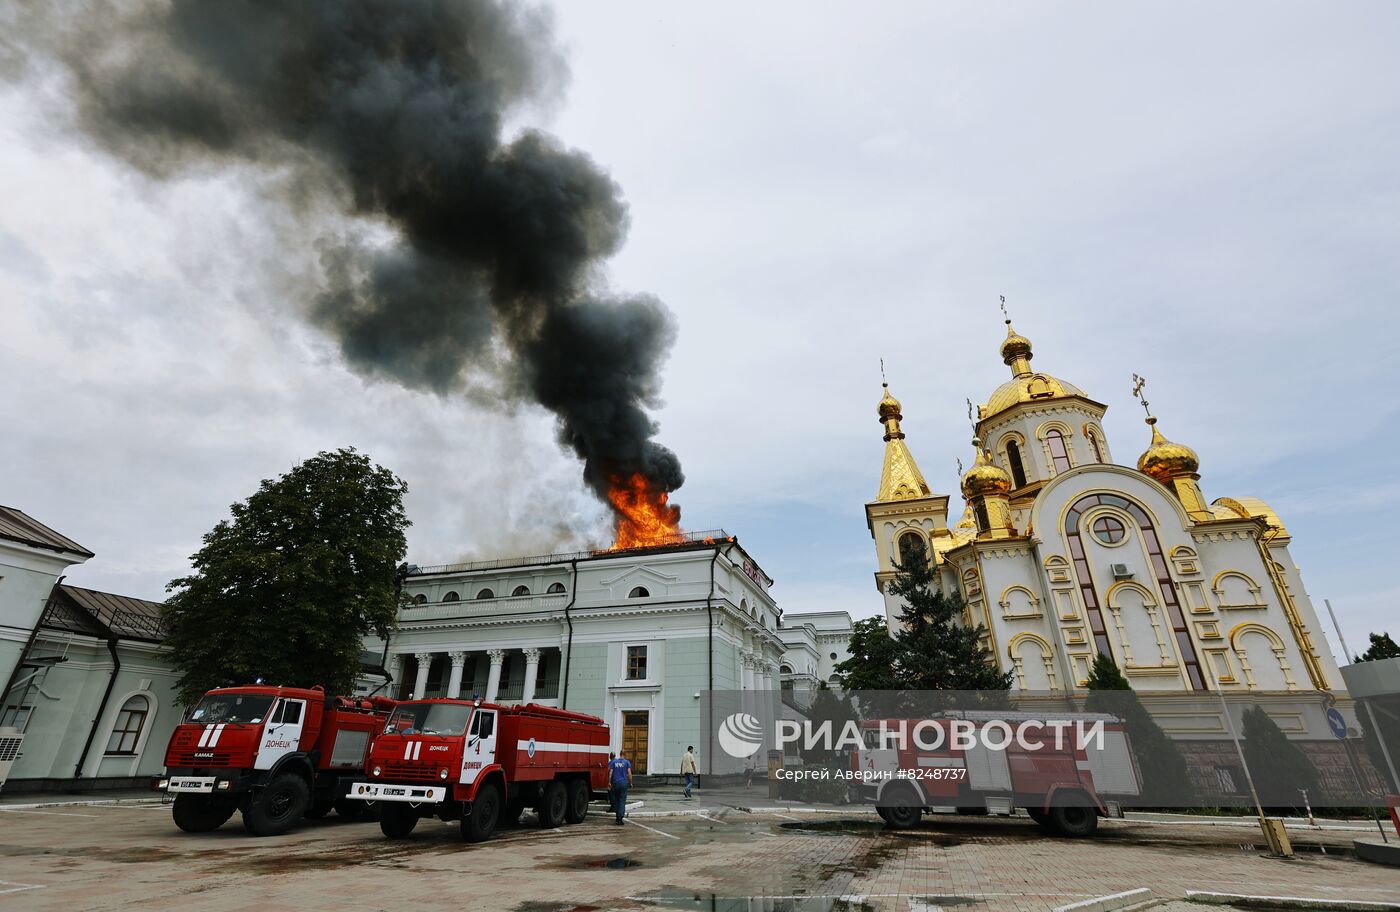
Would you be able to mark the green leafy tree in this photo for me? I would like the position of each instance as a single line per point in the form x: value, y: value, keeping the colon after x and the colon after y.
x: 1382, y: 647
x: 287, y: 588
x: 1278, y: 766
x: 874, y: 656
x: 1165, y: 782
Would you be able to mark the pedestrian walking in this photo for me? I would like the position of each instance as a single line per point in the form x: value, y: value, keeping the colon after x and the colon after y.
x: 748, y: 771
x: 619, y: 781
x: 612, y: 804
x: 688, y: 769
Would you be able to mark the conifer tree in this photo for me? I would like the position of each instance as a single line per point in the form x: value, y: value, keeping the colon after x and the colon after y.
x: 1165, y: 782
x: 1278, y: 766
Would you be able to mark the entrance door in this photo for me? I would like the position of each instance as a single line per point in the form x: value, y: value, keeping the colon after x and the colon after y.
x: 635, y: 730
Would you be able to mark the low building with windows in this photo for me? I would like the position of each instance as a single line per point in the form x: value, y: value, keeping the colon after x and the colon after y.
x: 632, y: 636
x: 1061, y: 554
x: 89, y: 699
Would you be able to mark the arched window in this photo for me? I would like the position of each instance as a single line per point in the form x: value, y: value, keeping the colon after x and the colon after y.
x: 421, y: 599
x: 912, y: 549
x: 451, y: 597
x: 520, y: 590
x: 555, y: 588
x: 1013, y: 458
x: 485, y: 594
x: 1059, y: 455
x: 1094, y: 444
x: 126, y: 733
x: 638, y: 592
x: 785, y: 669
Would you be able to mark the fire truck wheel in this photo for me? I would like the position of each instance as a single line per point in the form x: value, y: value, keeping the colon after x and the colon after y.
x: 197, y: 814
x: 397, y: 820
x: 1077, y: 820
x: 281, y: 804
x: 1038, y: 816
x: 579, y: 796
x: 552, y: 804
x: 884, y: 813
x: 901, y: 815
x: 486, y: 811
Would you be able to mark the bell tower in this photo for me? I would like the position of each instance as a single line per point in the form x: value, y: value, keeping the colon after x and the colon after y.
x: 906, y: 519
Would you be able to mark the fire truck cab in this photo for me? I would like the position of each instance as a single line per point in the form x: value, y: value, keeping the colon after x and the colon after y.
x: 276, y: 754
x: 1043, y: 766
x: 483, y: 764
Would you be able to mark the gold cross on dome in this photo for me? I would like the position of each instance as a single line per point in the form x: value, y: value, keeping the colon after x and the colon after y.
x: 960, y: 468
x: 1138, y: 384
x: 1003, y: 309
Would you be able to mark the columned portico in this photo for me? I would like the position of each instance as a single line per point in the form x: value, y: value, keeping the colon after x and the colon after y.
x: 493, y: 679
x: 532, y: 669
x: 425, y: 664
x: 454, y: 682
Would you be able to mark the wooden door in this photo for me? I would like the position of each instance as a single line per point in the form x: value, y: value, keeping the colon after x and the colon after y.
x: 635, y: 727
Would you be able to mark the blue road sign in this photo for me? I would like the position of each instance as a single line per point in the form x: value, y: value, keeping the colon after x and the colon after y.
x: 1336, y: 723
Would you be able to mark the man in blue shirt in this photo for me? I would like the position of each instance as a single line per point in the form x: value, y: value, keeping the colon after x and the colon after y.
x: 619, y: 781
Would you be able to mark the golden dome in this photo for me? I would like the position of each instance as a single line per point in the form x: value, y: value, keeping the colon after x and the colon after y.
x: 968, y: 521
x: 1165, y: 460
x: 1028, y: 388
x: 889, y: 406
x: 984, y: 477
x: 1016, y: 346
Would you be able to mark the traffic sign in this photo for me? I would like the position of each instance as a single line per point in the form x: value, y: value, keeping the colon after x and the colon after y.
x: 1336, y: 723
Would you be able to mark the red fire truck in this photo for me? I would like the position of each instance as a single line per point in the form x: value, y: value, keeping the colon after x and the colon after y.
x: 275, y: 753
x: 1065, y: 769
x: 483, y: 764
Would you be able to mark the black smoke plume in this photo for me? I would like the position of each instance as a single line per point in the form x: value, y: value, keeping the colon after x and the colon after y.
x: 390, y: 111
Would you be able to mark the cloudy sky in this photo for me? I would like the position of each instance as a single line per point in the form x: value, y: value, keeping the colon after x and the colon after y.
x: 1205, y: 194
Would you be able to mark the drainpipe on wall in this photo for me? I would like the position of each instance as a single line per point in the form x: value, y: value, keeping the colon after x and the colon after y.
x: 101, y: 707
x: 710, y: 644
x: 569, y: 648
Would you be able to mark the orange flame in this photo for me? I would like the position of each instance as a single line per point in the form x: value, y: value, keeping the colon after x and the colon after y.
x: 644, y: 518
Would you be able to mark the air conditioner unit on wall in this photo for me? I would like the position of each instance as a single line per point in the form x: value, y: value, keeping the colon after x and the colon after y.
x: 10, y: 740
x: 1120, y: 571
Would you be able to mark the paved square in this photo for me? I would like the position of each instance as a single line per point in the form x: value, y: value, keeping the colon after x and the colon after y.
x: 82, y: 858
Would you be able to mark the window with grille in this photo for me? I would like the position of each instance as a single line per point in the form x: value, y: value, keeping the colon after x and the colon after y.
x: 127, y: 732
x: 636, y: 663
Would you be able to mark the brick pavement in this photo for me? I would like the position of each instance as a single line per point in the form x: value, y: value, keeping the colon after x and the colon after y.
x: 99, y: 858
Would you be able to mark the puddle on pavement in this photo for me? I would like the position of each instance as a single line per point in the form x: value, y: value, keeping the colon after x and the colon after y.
x: 588, y: 862
x: 531, y: 905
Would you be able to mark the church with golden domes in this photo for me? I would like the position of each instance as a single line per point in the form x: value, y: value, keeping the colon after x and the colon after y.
x: 1062, y: 552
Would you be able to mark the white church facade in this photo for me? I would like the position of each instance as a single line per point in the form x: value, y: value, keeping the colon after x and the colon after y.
x: 1061, y: 553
